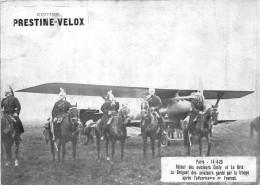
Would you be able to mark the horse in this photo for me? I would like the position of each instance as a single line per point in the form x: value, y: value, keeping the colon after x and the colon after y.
x: 255, y: 125
x: 88, y: 131
x: 8, y: 137
x: 116, y: 131
x: 68, y: 131
x: 150, y: 128
x: 202, y: 127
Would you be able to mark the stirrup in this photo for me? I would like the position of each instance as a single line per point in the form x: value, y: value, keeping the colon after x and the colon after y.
x: 20, y: 138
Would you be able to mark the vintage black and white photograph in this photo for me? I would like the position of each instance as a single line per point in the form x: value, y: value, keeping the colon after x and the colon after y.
x: 130, y: 92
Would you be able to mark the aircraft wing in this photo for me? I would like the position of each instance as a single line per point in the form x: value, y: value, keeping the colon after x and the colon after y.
x: 127, y: 92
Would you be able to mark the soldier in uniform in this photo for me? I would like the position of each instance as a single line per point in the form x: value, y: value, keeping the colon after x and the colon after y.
x: 60, y: 107
x: 155, y: 104
x: 197, y: 107
x: 108, y: 108
x: 11, y: 106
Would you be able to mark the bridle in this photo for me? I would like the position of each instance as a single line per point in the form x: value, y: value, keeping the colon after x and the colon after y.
x: 214, y: 115
x: 144, y: 108
x: 124, y: 112
x: 72, y: 119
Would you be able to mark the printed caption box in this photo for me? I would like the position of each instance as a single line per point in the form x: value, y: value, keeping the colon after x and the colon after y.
x: 208, y: 169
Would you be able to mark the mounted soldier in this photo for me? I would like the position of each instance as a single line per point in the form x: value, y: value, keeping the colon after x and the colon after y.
x: 155, y: 104
x: 197, y: 107
x: 109, y: 108
x: 59, y: 110
x: 11, y: 108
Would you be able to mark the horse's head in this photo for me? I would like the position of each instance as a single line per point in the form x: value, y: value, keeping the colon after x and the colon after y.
x: 74, y: 114
x: 214, y: 114
x: 125, y: 111
x: 144, y: 108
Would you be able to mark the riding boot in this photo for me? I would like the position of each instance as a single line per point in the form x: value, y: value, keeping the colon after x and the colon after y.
x: 19, y: 125
x: 17, y: 133
x: 105, y: 130
x: 161, y: 124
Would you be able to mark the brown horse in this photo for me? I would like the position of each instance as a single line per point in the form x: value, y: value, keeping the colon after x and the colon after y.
x: 255, y: 125
x: 202, y: 127
x: 150, y: 128
x: 116, y: 131
x: 8, y: 136
x: 68, y: 131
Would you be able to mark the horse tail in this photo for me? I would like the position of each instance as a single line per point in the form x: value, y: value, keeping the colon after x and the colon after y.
x: 251, y: 129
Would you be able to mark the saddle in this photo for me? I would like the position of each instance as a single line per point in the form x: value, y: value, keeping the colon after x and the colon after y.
x: 61, y: 117
x: 11, y: 128
x: 10, y: 118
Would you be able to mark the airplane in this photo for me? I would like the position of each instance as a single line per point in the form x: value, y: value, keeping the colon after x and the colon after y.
x: 174, y: 112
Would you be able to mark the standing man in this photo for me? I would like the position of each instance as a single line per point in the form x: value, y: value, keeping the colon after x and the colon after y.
x: 155, y: 103
x: 11, y: 106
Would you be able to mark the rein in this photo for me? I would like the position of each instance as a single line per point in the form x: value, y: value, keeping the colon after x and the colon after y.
x: 72, y: 118
x: 145, y: 108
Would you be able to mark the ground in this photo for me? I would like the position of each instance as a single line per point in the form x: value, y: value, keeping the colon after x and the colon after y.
x: 36, y: 166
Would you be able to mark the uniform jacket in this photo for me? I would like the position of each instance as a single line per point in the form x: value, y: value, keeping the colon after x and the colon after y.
x: 60, y: 107
x: 154, y: 101
x: 11, y: 105
x: 197, y: 104
x: 105, y: 108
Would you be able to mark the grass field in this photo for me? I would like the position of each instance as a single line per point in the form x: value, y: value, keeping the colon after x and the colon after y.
x: 36, y: 167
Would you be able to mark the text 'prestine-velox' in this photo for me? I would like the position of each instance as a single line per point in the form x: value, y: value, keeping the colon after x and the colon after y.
x: 49, y: 22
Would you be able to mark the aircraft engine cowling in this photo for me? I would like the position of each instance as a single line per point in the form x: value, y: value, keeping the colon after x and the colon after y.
x: 178, y: 109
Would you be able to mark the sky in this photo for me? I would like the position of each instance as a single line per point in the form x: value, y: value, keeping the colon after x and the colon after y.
x: 165, y: 44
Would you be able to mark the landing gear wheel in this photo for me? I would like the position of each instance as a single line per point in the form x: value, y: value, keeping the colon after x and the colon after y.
x: 165, y: 141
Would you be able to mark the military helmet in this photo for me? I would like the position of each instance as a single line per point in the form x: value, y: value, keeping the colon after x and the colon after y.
x: 62, y: 93
x: 109, y: 96
x: 8, y: 90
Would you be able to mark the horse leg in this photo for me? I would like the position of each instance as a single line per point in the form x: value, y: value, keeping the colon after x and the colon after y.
x: 122, y: 148
x: 17, y: 144
x: 200, y: 145
x: 87, y: 134
x: 8, y: 148
x: 91, y: 136
x: 2, y: 149
x: 145, y: 144
x: 107, y: 142
x: 159, y: 144
x: 152, y: 144
x: 113, y: 148
x: 52, y: 150
x: 74, y: 144
x: 186, y: 141
x: 185, y: 138
x: 209, y: 144
x: 59, y: 145
x: 98, y: 136
x: 63, y: 151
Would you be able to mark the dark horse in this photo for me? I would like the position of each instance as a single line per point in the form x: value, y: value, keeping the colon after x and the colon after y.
x: 255, y: 125
x: 68, y: 131
x: 150, y: 128
x: 116, y: 131
x: 202, y: 127
x: 8, y: 136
